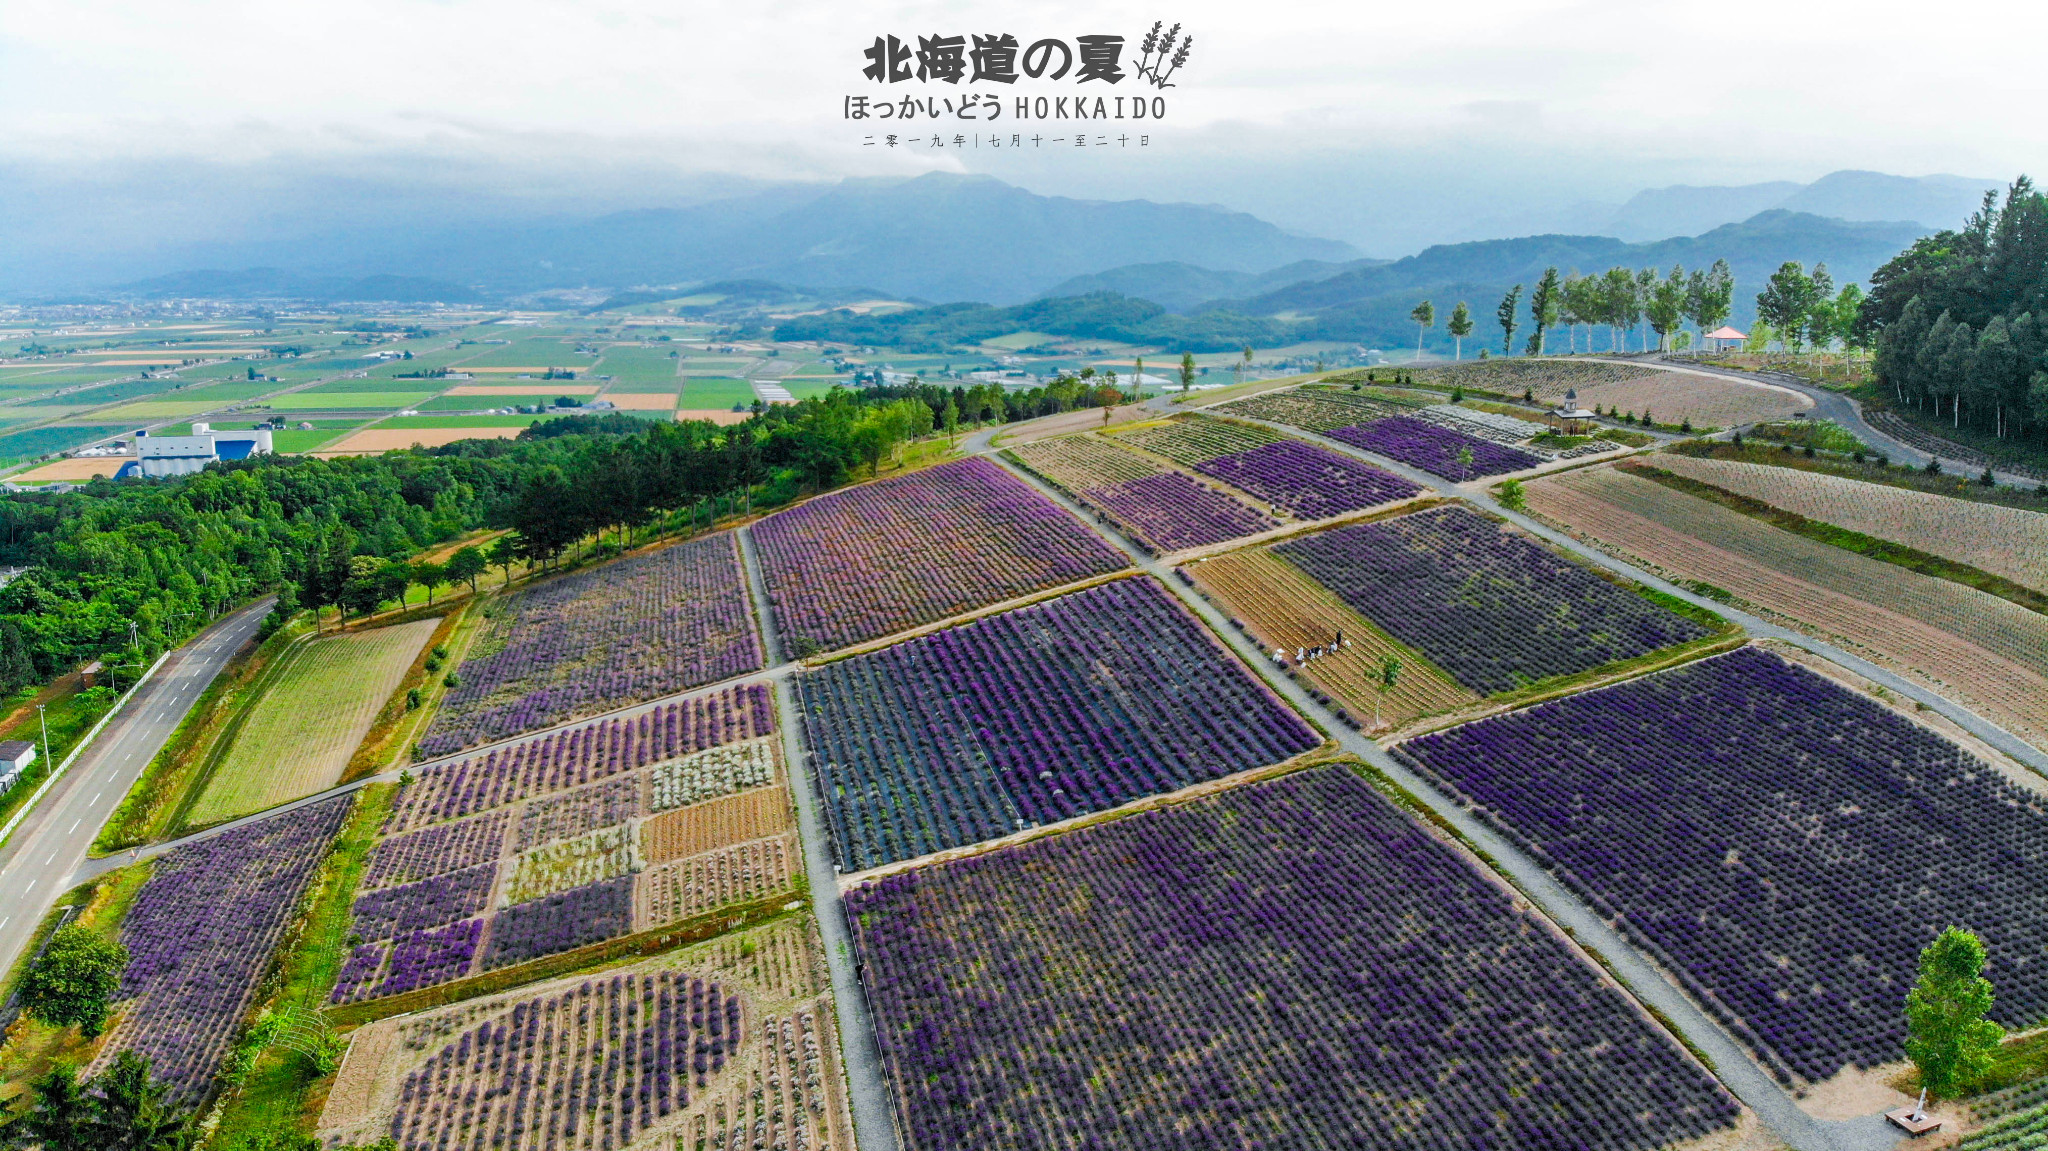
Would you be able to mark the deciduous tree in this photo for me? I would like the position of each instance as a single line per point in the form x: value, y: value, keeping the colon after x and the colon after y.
x: 1947, y: 1036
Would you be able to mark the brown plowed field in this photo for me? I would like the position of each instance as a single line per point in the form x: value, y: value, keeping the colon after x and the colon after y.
x: 1282, y: 607
x: 1591, y: 503
x: 2004, y: 541
x: 716, y: 823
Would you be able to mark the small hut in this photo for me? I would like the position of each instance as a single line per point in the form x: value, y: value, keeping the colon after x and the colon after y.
x: 1568, y: 417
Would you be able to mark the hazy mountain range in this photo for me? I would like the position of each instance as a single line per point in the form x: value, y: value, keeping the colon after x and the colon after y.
x: 941, y: 237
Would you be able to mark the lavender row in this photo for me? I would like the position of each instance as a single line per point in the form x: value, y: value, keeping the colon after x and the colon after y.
x: 885, y: 557
x: 1784, y: 845
x: 561, y: 922
x: 1293, y: 963
x: 581, y: 755
x: 432, y: 955
x: 1494, y: 609
x: 394, y: 911
x: 628, y: 631
x: 450, y: 847
x: 202, y: 930
x: 1307, y: 481
x: 1171, y: 512
x: 1437, y: 450
x: 605, y: 1058
x: 1040, y: 714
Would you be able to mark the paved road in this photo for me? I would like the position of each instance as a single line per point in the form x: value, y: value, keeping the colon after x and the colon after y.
x: 39, y: 859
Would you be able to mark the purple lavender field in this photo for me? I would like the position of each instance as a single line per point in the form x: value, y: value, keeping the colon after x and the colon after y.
x: 1035, y: 715
x: 1171, y: 512
x: 880, y: 558
x: 393, y: 911
x: 1293, y: 963
x: 560, y: 922
x: 1308, y: 481
x: 201, y: 932
x: 1494, y: 609
x: 644, y: 626
x: 589, y: 1063
x: 1782, y: 844
x: 1434, y: 449
x: 449, y: 847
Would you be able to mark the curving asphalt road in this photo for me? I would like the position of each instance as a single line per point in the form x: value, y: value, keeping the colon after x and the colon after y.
x: 50, y: 846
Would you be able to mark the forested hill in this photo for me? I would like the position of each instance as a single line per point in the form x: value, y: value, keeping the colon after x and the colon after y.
x: 1368, y: 303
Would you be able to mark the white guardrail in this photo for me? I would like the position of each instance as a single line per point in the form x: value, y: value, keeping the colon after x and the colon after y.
x: 80, y: 747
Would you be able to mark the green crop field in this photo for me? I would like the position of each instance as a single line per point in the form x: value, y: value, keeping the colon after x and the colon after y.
x: 300, y: 732
x: 639, y: 365
x: 707, y: 392
x: 646, y: 387
x: 160, y: 409
x: 805, y: 387
x: 295, y: 440
x: 475, y: 403
x: 528, y: 351
x: 228, y: 391
x: 41, y: 441
x: 373, y: 384
x: 343, y: 401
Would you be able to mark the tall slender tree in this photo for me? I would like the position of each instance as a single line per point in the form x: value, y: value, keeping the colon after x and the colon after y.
x: 1424, y: 316
x: 1947, y: 1036
x: 1543, y: 308
x: 1505, y: 315
x: 1617, y: 304
x: 1459, y: 327
x: 1667, y: 305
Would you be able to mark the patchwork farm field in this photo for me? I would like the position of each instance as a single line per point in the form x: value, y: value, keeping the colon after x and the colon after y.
x: 200, y: 934
x: 884, y: 557
x: 300, y: 734
x: 1783, y: 845
x: 631, y: 630
x: 2004, y: 541
x: 1488, y: 605
x: 570, y: 839
x: 709, y: 1046
x: 1514, y: 376
x: 1983, y: 651
x: 1283, y: 609
x: 1447, y: 442
x: 1262, y: 963
x: 1059, y: 709
x: 1162, y: 509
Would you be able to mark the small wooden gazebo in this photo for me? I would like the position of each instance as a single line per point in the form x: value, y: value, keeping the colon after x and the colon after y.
x: 1568, y: 417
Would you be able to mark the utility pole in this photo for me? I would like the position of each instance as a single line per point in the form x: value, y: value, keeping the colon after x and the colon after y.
x: 45, y: 718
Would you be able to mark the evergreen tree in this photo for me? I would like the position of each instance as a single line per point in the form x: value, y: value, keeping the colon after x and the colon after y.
x: 1505, y: 315
x: 1543, y: 308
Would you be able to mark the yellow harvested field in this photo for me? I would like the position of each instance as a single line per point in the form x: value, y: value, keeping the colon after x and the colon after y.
x: 1078, y: 463
x: 756, y: 814
x: 75, y: 469
x: 1282, y: 607
x: 1987, y: 659
x: 2005, y: 541
x: 643, y: 401
x: 1672, y: 396
x: 720, y: 416
x: 398, y: 439
x: 301, y: 732
x: 564, y: 388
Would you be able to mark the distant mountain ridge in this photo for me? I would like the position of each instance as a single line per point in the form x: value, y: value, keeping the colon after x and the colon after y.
x: 1178, y: 286
x: 1933, y: 202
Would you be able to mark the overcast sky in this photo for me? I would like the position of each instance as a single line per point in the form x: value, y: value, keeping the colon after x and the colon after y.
x: 1544, y: 102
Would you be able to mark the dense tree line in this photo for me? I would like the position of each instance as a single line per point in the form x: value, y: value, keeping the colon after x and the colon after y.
x: 1960, y: 319
x: 121, y: 571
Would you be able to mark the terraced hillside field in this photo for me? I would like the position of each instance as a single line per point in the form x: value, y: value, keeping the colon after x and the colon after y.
x: 711, y: 1046
x: 645, y: 626
x: 1985, y: 652
x: 1032, y: 716
x: 299, y: 736
x: 2004, y: 541
x: 1490, y: 606
x: 1783, y: 845
x: 1284, y: 610
x: 570, y: 839
x: 885, y: 557
x: 1292, y: 963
